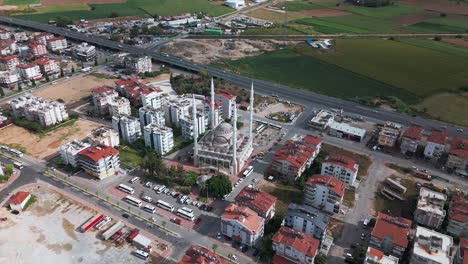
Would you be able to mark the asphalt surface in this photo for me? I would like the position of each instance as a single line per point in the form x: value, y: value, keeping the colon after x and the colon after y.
x: 306, y: 98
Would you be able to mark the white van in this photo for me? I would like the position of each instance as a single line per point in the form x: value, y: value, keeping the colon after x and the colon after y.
x: 134, y: 179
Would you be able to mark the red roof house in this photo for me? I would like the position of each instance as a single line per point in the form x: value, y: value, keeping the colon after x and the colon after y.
x: 19, y: 200
x: 390, y: 234
x: 261, y: 202
x: 201, y: 255
x: 295, y: 241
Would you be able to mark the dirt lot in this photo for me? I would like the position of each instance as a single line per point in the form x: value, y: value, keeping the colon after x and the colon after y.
x: 449, y: 7
x: 414, y: 18
x: 42, y: 147
x: 73, y: 89
x: 208, y: 51
x: 279, y: 108
x: 47, y: 232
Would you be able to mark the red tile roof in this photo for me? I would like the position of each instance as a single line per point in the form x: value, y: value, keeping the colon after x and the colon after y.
x: 255, y: 199
x: 311, y: 140
x: 244, y: 216
x: 8, y: 57
x: 44, y: 61
x: 295, y: 153
x: 375, y: 252
x: 277, y: 259
x: 26, y: 66
x: 438, y: 137
x: 464, y: 249
x: 34, y: 45
x: 228, y: 96
x: 396, y: 228
x: 297, y: 240
x: 413, y: 132
x: 332, y: 183
x: 95, y: 153
x: 341, y: 160
x: 19, y: 197
x: 56, y: 39
x: 207, y: 101
x: 459, y: 147
x: 201, y: 255
x: 103, y: 89
x: 458, y: 210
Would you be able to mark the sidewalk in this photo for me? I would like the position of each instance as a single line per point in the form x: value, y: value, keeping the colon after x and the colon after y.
x: 12, y: 178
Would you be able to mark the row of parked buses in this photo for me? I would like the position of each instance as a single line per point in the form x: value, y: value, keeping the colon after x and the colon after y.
x: 184, y: 212
x: 13, y: 151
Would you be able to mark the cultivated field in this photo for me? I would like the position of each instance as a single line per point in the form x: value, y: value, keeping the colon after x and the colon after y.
x: 45, y: 146
x: 448, y: 107
x: 73, y: 89
x: 99, y: 9
x: 47, y: 232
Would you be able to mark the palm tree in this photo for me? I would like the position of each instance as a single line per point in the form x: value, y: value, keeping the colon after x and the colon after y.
x: 214, y: 247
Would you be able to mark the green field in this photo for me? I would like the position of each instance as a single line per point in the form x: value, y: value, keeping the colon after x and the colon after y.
x: 349, y: 24
x: 384, y: 12
x: 448, y: 107
x: 61, y: 8
x: 20, y: 2
x: 437, y: 46
x: 304, y: 5
x: 133, y: 8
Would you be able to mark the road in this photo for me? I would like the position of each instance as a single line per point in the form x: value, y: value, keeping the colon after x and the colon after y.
x: 334, y: 36
x: 306, y: 98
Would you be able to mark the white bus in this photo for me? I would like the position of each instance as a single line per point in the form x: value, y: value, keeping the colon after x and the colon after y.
x: 141, y: 254
x: 18, y: 165
x: 186, y: 209
x: 150, y: 209
x: 186, y: 215
x: 166, y: 206
x: 17, y: 153
x: 134, y: 179
x: 247, y: 171
x: 126, y: 189
x: 161, y: 189
x: 133, y: 201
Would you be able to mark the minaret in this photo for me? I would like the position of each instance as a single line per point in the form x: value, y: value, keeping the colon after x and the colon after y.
x: 251, y: 115
x: 212, y: 105
x: 195, y: 131
x: 234, y: 142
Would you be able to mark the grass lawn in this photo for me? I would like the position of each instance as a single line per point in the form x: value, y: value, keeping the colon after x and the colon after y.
x: 306, y: 72
x: 440, y: 25
x: 61, y: 8
x: 391, y: 62
x: 356, y: 24
x: 437, y: 46
x: 101, y: 75
x: 384, y: 12
x: 20, y: 2
x: 129, y: 156
x: 29, y: 202
x: 396, y: 207
x: 447, y: 107
x: 275, y: 17
x: 135, y: 8
x: 363, y: 160
x: 349, y: 198
x: 286, y: 194
x: 301, y: 5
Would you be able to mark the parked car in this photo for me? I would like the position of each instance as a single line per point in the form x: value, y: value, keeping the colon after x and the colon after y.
x: 188, y: 201
x: 125, y: 215
x: 218, y: 236
x: 209, y: 208
x: 148, y: 185
x: 147, y: 199
x: 15, y: 212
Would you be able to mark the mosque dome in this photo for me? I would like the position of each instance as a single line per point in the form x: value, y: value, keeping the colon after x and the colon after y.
x: 222, y: 134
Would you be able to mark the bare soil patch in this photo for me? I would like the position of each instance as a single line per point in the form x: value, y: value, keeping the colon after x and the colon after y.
x: 208, y: 51
x: 43, y: 147
x: 455, y: 41
x: 8, y: 8
x: 73, y: 89
x: 449, y: 7
x: 327, y: 12
x: 51, y: 2
x: 414, y: 18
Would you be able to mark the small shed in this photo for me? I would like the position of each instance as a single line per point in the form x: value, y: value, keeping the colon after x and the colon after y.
x: 19, y: 200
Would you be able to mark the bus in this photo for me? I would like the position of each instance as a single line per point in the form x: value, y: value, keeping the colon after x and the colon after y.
x: 18, y: 165
x: 186, y: 215
x: 126, y: 189
x: 133, y: 201
x: 186, y: 209
x: 134, y: 179
x: 166, y: 206
x: 247, y: 171
x: 141, y: 254
x: 260, y: 128
x: 150, y: 209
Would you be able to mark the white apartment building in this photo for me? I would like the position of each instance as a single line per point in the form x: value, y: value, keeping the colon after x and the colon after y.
x: 435, y: 146
x: 431, y: 247
x: 228, y: 102
x: 150, y: 115
x: 138, y: 64
x: 341, y: 167
x: 43, y: 37
x: 324, y: 193
x: 9, y: 63
x: 69, y: 151
x: 159, y: 138
x: 218, y: 111
x: 151, y: 98
x: 20, y: 36
x: 48, y: 66
x: 127, y: 126
x: 102, y: 98
x: 9, y: 78
x: 242, y: 224
x: 375, y: 256
x: 38, y: 109
x: 120, y: 106
x: 186, y: 125
x: 306, y: 219
x: 29, y: 71
x: 430, y: 208
x: 175, y: 109
x: 294, y: 246
x: 5, y: 34
x: 104, y: 136
x: 57, y: 43
x: 38, y: 49
x: 99, y: 161
x: 85, y: 52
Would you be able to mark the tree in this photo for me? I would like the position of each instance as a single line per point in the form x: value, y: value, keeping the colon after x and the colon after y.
x: 164, y: 223
x: 113, y: 15
x: 33, y: 82
x: 19, y: 87
x: 47, y: 78
x: 214, y: 247
x: 219, y: 185
x: 61, y: 72
x: 134, y: 31
x: 2, y: 93
x: 73, y: 69
x: 190, y: 178
x: 62, y: 21
x: 320, y: 259
x: 8, y: 169
x: 153, y: 164
x: 96, y: 62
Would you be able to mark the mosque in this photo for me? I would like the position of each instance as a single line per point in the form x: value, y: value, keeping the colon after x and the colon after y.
x: 223, y: 148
